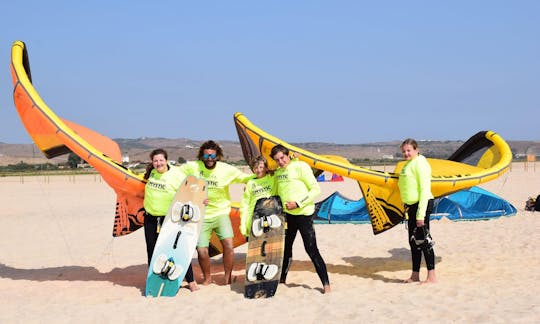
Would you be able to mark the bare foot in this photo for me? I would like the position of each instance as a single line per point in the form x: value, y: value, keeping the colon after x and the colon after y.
x: 415, y: 277
x: 207, y: 282
x: 327, y: 289
x: 428, y: 282
x: 192, y: 286
x: 431, y: 277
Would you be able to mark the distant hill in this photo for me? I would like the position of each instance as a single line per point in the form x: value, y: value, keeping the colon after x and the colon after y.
x: 140, y: 148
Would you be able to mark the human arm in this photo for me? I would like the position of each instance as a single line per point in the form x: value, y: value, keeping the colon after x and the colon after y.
x: 245, y: 213
x: 242, y: 177
x: 423, y: 180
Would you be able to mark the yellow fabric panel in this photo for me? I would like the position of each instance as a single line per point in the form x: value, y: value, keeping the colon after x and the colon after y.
x: 489, y: 158
x: 380, y: 188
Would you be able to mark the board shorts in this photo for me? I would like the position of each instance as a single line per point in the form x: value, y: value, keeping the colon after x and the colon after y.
x: 220, y: 224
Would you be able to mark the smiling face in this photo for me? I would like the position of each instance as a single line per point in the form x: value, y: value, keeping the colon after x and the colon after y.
x: 209, y: 158
x: 159, y: 162
x: 281, y: 159
x: 409, y: 151
x: 260, y: 169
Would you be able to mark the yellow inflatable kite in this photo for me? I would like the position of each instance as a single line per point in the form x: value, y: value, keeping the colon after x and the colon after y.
x: 484, y: 157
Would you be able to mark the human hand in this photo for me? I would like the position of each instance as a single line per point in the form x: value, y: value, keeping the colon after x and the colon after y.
x: 243, y: 229
x: 419, y: 222
x: 291, y: 205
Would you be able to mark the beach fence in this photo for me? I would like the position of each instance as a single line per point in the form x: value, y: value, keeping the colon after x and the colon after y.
x: 51, y: 177
x: 530, y: 162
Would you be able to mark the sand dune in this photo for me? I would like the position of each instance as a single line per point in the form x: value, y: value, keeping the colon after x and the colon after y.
x: 60, y: 264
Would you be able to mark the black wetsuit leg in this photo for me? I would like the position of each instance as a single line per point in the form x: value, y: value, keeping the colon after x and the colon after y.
x: 427, y: 251
x: 150, y: 233
x: 189, y: 274
x: 304, y: 224
x: 290, y: 235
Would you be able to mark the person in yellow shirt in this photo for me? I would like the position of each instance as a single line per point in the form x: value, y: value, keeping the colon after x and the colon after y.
x: 218, y: 175
x: 263, y: 186
x: 163, y: 181
x: 298, y: 189
x: 415, y: 189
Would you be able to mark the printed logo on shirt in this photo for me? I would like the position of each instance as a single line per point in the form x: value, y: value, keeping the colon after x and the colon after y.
x: 261, y: 190
x: 210, y: 179
x: 156, y: 185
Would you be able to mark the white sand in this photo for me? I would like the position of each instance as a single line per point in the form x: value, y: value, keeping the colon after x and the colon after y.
x: 60, y: 264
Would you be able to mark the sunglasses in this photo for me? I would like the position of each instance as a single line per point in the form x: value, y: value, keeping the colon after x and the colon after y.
x: 209, y: 156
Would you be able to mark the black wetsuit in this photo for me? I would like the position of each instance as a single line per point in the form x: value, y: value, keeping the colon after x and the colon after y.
x: 426, y: 249
x: 304, y: 224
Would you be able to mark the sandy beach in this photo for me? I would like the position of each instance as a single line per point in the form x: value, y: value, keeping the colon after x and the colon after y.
x: 60, y: 264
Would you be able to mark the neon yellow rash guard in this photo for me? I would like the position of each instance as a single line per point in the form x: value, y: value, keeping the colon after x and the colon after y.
x: 415, y: 184
x: 218, y: 180
x: 255, y: 189
x: 160, y: 190
x: 297, y: 183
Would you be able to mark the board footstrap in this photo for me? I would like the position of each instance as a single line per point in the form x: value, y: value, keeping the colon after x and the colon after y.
x: 167, y: 268
x: 262, y: 271
x: 185, y: 212
x: 264, y: 224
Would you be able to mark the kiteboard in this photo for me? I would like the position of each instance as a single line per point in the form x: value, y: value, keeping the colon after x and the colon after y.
x: 264, y: 258
x: 177, y: 239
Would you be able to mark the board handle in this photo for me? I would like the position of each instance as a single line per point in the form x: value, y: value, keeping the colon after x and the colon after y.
x: 263, y: 246
x: 177, y: 238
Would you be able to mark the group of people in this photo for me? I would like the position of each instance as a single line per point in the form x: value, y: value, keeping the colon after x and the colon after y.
x: 295, y: 184
x: 163, y: 180
x: 298, y: 189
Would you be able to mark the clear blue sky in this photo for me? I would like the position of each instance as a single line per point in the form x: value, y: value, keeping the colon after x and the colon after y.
x: 329, y: 71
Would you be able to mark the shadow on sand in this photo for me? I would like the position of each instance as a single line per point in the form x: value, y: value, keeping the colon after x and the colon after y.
x: 369, y: 268
x: 135, y: 275
x: 363, y: 267
x: 132, y: 276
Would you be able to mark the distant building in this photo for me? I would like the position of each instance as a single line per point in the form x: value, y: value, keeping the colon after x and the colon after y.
x: 133, y: 165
